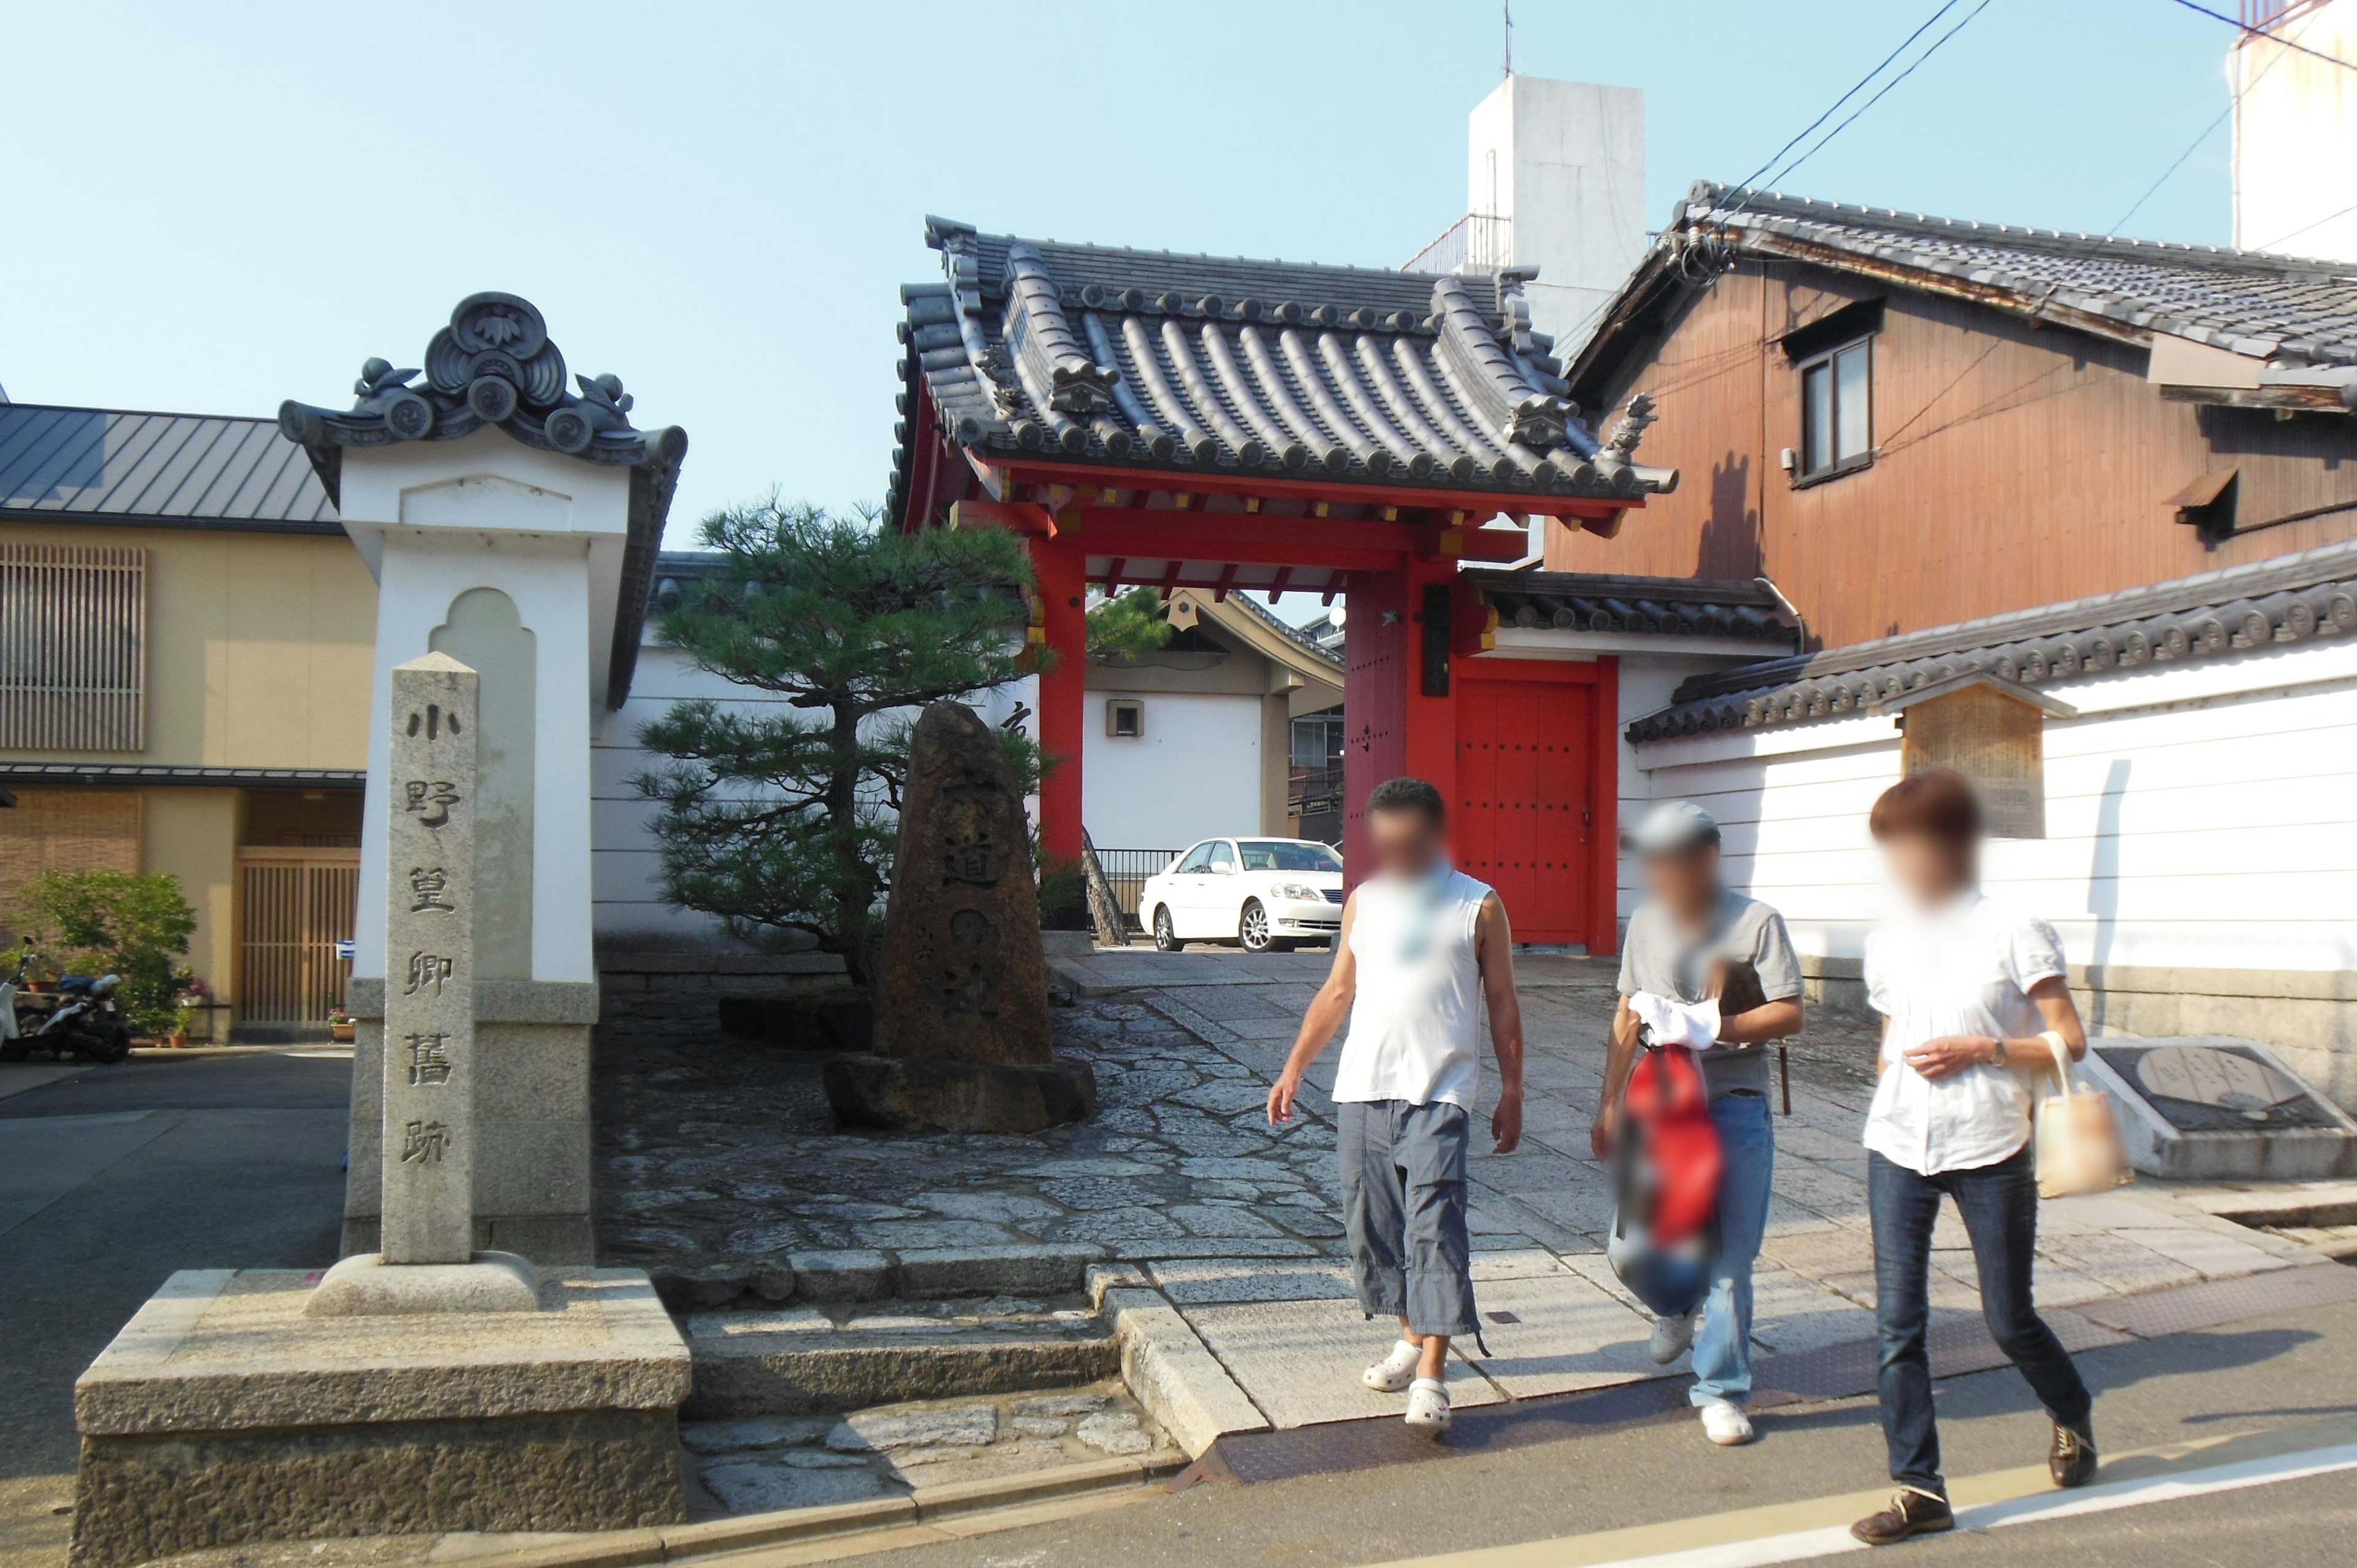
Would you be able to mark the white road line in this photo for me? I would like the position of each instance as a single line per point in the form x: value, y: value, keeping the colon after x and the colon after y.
x: 1803, y: 1544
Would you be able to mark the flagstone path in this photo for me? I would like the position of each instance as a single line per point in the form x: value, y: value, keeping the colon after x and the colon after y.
x: 715, y: 1149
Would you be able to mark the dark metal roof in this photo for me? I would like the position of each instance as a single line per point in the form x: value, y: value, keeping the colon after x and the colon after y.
x: 2269, y: 306
x: 2214, y: 614
x: 34, y: 773
x: 1670, y: 606
x: 1149, y: 360
x: 156, y: 470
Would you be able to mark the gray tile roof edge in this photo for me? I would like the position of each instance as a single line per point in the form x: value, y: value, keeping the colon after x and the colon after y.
x: 2284, y: 599
x: 1591, y: 602
x: 1286, y: 629
x: 24, y: 773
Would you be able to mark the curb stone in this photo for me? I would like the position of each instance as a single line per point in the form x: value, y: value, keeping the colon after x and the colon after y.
x: 1174, y: 1375
x: 672, y: 1543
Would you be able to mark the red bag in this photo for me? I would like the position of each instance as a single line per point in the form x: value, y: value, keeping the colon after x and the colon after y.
x: 1670, y: 1164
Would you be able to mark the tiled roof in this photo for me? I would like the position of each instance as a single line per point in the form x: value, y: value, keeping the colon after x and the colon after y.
x: 1672, y: 606
x: 1289, y: 631
x: 1149, y: 360
x: 179, y: 470
x: 2290, y: 310
x: 2214, y: 614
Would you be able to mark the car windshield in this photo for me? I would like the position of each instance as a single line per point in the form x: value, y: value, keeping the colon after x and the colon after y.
x: 1281, y: 855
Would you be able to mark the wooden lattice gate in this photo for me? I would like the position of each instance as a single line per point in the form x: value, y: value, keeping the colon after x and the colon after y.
x: 293, y: 907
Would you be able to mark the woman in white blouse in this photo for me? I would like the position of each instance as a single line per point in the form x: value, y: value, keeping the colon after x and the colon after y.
x: 1974, y: 1004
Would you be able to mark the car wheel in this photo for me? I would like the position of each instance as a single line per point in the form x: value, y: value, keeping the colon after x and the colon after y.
x: 1166, y: 938
x: 1252, y: 930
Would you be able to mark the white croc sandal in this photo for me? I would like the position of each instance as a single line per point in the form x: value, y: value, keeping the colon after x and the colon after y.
x: 1427, y: 1407
x: 1394, y: 1371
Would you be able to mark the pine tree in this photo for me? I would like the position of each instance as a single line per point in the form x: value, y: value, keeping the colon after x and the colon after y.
x: 781, y: 818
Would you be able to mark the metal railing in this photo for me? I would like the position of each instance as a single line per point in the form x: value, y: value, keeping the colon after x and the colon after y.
x: 1127, y: 869
x: 1478, y: 242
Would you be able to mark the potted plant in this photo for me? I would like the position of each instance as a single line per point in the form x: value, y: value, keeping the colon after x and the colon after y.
x: 341, y: 1025
x: 194, y: 994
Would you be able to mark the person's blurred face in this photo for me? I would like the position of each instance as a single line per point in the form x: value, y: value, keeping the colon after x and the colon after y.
x: 1686, y: 881
x: 1406, y: 843
x: 1929, y: 870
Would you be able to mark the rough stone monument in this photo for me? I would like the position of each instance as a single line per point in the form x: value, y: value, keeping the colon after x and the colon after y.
x: 962, y: 1034
x: 428, y: 1386
x: 2215, y: 1109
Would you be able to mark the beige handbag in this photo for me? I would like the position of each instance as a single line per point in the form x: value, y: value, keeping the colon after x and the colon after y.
x: 2078, y: 1136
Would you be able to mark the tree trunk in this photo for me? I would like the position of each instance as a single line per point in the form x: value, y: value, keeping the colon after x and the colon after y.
x: 855, y: 898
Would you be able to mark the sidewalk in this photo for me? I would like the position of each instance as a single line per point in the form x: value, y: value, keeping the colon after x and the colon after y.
x: 1239, y: 1226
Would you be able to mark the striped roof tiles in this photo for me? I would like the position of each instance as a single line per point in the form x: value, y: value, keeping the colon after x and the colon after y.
x: 183, y: 470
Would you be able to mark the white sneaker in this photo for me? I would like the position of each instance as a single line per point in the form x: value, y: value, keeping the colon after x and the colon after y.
x: 1724, y: 1422
x: 1672, y: 1337
x: 1394, y: 1371
x: 1427, y: 1407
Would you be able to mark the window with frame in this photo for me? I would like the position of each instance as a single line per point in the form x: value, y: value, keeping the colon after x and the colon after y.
x: 73, y: 657
x: 1837, y: 410
x: 1125, y: 718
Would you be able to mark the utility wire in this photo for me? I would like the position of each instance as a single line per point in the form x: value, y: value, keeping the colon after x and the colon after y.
x: 2208, y: 131
x: 1885, y: 88
x: 2304, y: 228
x: 2250, y: 31
x: 1833, y: 108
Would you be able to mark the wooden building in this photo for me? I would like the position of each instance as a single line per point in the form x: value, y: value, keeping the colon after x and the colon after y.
x: 2108, y: 488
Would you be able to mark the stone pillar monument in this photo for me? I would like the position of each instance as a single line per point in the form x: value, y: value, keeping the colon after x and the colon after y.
x: 427, y: 1262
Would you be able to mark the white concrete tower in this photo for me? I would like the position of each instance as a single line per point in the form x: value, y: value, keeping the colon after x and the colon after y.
x: 1560, y: 167
x: 2296, y: 128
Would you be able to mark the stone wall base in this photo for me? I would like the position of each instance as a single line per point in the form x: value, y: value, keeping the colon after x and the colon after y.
x: 2308, y: 1016
x: 139, y: 1499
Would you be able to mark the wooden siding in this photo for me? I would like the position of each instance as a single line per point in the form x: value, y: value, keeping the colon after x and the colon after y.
x: 2015, y: 465
x: 69, y: 830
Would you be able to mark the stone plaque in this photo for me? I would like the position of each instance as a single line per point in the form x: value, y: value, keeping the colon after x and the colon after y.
x: 962, y: 977
x: 429, y: 989
x: 2198, y: 1088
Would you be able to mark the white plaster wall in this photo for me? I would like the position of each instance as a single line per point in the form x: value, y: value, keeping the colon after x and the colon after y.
x: 2296, y: 136
x: 626, y: 866
x: 1569, y: 161
x: 2198, y: 816
x: 1194, y: 773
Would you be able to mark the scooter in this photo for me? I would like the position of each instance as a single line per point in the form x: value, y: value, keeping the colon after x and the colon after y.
x: 84, y: 1020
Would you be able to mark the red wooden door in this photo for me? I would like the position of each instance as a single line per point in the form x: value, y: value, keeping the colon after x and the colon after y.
x: 1527, y: 817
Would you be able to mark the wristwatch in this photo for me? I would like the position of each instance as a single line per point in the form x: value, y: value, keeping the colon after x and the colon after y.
x: 1996, y: 1057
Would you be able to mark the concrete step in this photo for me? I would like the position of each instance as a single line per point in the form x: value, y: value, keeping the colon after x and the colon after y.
x: 822, y: 1359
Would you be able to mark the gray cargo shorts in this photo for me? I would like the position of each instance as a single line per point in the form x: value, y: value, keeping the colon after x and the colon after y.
x: 1403, y: 1201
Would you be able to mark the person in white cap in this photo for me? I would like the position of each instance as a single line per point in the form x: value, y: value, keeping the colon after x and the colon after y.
x: 1694, y: 940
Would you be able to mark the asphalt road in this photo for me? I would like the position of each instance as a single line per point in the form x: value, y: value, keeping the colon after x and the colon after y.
x: 2265, y: 1373
x: 111, y: 1178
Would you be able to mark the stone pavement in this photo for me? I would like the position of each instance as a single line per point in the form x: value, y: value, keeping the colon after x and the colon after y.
x: 725, y: 1157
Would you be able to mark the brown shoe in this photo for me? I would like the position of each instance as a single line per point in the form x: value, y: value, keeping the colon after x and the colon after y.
x: 2072, y: 1458
x: 1911, y: 1513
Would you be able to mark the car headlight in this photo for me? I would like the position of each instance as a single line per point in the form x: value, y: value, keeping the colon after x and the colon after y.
x: 1301, y: 892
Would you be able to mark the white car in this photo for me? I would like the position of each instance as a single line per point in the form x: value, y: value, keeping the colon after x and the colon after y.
x: 1266, y: 895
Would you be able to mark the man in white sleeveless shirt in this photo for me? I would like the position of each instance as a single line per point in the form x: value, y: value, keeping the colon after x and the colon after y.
x: 1423, y: 946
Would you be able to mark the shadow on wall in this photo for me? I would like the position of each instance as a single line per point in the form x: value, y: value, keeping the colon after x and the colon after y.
x: 1729, y: 544
x: 2103, y: 889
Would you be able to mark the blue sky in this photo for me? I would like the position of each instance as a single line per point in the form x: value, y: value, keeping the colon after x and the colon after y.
x: 214, y: 208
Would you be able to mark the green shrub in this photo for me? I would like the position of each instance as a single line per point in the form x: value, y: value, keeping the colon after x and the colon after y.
x: 114, y: 923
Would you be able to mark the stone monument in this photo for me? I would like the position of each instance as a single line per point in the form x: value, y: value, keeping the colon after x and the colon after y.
x: 961, y: 1034
x: 2211, y: 1109
x: 424, y: 1386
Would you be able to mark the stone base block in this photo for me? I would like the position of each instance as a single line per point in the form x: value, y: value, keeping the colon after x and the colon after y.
x: 910, y: 1094
x: 2286, y: 1132
x: 223, y: 1413
x: 366, y: 1285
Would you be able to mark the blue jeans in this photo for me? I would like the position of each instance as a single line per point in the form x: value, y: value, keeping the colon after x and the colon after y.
x: 1999, y: 1206
x: 1747, y: 1148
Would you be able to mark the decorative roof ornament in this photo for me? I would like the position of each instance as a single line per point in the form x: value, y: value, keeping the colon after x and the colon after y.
x: 493, y: 364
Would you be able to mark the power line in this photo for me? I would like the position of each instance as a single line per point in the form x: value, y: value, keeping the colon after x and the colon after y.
x: 2271, y: 244
x: 2250, y: 31
x: 1845, y: 125
x: 1833, y: 108
x: 2207, y: 132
